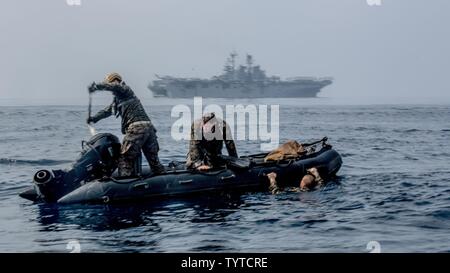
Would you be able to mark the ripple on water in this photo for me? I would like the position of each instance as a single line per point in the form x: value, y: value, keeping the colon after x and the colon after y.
x: 38, y: 162
x: 394, y: 184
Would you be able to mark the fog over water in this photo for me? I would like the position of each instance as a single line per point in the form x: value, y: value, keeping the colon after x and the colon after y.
x: 393, y: 53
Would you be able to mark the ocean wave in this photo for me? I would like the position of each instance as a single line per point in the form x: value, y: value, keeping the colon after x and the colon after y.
x: 10, y: 190
x: 394, y: 178
x: 38, y: 162
x: 407, y: 157
x: 441, y: 214
x: 354, y: 206
x: 385, y: 148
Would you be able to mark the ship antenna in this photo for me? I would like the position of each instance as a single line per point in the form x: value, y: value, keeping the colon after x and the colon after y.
x: 233, y: 56
x: 249, y: 63
x: 249, y: 60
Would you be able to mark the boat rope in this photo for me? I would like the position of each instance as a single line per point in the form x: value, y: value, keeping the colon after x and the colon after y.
x: 323, y: 141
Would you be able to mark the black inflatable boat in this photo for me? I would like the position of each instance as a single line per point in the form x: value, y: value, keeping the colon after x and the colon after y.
x: 91, y: 177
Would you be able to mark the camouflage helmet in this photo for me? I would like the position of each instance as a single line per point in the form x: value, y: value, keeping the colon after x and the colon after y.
x: 111, y: 77
x: 209, y: 123
x: 208, y: 116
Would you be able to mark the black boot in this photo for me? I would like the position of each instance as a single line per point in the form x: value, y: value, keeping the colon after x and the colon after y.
x: 158, y: 169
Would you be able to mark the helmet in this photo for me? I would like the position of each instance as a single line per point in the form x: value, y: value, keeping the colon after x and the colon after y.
x: 111, y: 77
x: 209, y: 123
x: 208, y: 116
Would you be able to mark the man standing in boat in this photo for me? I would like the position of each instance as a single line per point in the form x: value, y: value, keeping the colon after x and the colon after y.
x: 208, y: 135
x: 140, y: 133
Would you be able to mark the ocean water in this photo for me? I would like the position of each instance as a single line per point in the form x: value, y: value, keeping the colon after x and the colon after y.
x: 393, y: 188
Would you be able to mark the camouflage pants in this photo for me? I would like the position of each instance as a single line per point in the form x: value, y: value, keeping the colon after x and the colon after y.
x: 139, y: 137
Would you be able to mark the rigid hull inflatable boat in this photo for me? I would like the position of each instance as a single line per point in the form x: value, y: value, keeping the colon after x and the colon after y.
x: 91, y: 177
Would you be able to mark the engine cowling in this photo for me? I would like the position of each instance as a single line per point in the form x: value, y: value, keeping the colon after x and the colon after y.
x: 97, y: 159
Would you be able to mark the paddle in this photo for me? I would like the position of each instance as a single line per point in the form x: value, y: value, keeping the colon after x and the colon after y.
x: 90, y: 127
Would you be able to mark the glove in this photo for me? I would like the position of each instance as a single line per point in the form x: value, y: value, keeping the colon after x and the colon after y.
x: 92, y: 88
x: 203, y: 168
x: 91, y: 120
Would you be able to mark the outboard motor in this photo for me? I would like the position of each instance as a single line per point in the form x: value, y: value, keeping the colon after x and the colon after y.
x: 98, y: 158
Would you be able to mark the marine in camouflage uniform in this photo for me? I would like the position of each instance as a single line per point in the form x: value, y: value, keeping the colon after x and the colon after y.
x: 140, y: 133
x: 204, y: 151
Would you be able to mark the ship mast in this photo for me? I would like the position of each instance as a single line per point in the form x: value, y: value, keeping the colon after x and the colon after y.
x: 249, y: 67
x: 233, y: 56
x: 230, y: 67
x: 249, y: 62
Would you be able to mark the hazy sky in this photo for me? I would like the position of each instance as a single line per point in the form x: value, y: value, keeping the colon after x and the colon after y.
x: 52, y: 51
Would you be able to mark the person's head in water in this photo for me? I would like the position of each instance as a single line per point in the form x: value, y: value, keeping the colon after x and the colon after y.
x: 113, y: 78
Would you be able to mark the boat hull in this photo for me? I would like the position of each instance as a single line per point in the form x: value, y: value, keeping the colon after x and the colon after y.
x: 307, y: 89
x: 186, y: 183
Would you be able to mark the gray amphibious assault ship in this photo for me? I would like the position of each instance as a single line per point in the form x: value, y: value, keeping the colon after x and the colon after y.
x: 246, y: 81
